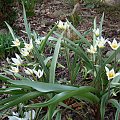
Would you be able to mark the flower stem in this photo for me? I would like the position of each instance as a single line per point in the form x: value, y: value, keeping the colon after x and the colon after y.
x: 115, y: 62
x: 100, y: 63
x: 109, y: 89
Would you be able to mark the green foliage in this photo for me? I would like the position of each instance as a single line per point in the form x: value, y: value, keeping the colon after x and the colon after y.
x: 29, y: 6
x: 5, y: 45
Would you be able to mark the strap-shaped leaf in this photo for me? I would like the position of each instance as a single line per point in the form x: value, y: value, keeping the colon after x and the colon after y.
x: 71, y: 45
x: 11, y: 98
x: 42, y: 46
x: 54, y: 61
x: 11, y: 31
x: 115, y: 103
x: 83, y: 39
x: 40, y: 59
x: 21, y: 99
x: 90, y: 97
x: 110, y: 58
x: 62, y: 96
x: 39, y: 86
x: 104, y: 101
x: 27, y: 26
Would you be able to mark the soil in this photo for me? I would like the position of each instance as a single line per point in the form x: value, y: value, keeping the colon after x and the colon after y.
x: 49, y: 12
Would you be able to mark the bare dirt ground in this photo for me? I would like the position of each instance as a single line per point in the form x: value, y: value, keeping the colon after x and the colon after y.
x: 47, y: 13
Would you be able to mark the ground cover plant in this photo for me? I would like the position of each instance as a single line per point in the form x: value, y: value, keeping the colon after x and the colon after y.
x: 5, y: 46
x: 32, y: 73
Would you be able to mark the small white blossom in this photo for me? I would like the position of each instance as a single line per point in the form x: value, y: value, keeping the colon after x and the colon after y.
x: 17, y: 61
x: 111, y: 73
x: 27, y: 116
x: 28, y: 71
x: 114, y: 45
x: 38, y: 73
x: 101, y: 42
x: 14, y: 69
x: 38, y: 41
x: 29, y: 46
x: 8, y: 60
x: 63, y: 25
x: 24, y: 52
x: 96, y: 32
x: 16, y: 42
x: 92, y: 50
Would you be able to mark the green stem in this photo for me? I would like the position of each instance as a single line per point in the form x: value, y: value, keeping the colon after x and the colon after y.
x: 93, y: 59
x: 100, y: 62
x: 115, y: 62
x: 68, y: 63
x: 109, y: 89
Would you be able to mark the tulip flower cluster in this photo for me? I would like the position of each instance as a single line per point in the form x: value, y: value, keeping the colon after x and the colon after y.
x: 17, y: 62
x: 100, y: 43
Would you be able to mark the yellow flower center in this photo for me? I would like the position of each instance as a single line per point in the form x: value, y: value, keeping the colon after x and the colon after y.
x: 114, y: 45
x: 111, y: 74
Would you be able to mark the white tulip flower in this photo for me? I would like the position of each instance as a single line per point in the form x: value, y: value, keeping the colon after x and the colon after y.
x: 111, y: 73
x: 29, y: 46
x: 28, y: 116
x: 92, y: 50
x: 16, y: 42
x: 114, y: 45
x: 38, y: 41
x: 28, y: 71
x: 17, y: 61
x: 97, y: 32
x: 38, y: 73
x: 24, y: 52
x: 14, y: 69
x: 101, y: 42
x: 63, y: 25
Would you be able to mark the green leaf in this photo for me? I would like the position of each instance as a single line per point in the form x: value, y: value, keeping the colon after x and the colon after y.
x: 11, y: 98
x: 9, y: 90
x: 111, y: 57
x: 11, y: 31
x: 27, y: 26
x: 51, y: 109
x: 90, y: 97
x: 58, y: 116
x: 20, y: 99
x: 101, y: 23
x: 62, y: 96
x: 115, y: 103
x: 40, y: 86
x: 42, y: 45
x: 117, y: 115
x: 83, y: 39
x: 115, y: 82
x: 104, y: 101
x: 94, y: 36
x: 40, y: 60
x: 72, y: 46
x: 54, y: 61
